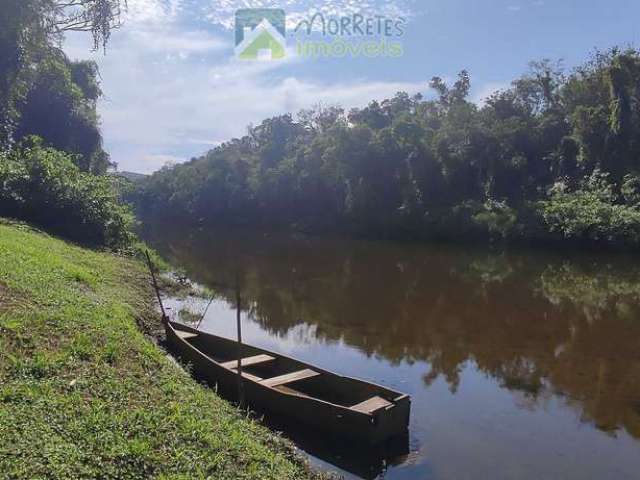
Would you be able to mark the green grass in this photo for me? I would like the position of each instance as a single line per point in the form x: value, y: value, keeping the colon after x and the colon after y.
x: 84, y: 394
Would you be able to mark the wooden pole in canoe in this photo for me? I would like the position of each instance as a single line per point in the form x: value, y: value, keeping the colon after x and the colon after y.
x: 239, y: 324
x: 155, y: 285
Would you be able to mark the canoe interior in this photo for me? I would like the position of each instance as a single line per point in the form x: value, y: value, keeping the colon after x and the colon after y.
x: 326, y: 386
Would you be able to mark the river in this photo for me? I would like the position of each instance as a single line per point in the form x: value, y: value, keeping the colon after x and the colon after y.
x: 520, y: 365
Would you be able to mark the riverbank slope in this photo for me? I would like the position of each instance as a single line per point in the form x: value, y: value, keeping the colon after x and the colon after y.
x: 83, y: 393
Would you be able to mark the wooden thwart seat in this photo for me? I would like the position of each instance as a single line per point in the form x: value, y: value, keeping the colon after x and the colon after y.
x: 291, y: 391
x: 186, y: 335
x: 248, y: 361
x: 289, y: 378
x: 248, y: 376
x: 372, y: 405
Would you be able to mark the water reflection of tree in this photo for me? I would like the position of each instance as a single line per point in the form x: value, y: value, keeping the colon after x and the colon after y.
x: 595, y: 290
x: 538, y: 325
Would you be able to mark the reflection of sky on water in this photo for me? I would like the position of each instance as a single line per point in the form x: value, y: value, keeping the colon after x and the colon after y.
x: 521, y: 365
x: 479, y: 428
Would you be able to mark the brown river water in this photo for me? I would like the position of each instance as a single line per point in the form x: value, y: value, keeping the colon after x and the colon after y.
x: 520, y: 365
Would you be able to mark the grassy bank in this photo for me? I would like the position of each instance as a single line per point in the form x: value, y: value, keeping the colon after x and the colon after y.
x: 83, y: 393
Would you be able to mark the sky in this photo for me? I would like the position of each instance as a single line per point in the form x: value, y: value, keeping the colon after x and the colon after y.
x: 173, y: 88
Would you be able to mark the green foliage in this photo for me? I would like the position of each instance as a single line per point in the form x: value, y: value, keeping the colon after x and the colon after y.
x: 497, y: 217
x: 592, y: 212
x: 60, y: 108
x: 83, y: 393
x: 41, y: 91
x: 21, y: 37
x: 44, y: 186
x: 434, y: 168
x: 631, y: 189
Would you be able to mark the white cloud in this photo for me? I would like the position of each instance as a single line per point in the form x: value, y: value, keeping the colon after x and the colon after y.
x: 154, y: 160
x: 221, y: 12
x: 148, y: 39
x: 166, y: 40
x: 174, y: 90
x: 147, y: 11
x: 480, y: 95
x: 198, y: 108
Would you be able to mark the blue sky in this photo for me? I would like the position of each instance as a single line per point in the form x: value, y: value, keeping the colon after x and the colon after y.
x: 173, y: 88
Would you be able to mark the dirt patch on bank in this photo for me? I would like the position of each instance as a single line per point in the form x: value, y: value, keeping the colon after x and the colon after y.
x: 147, y: 310
x: 9, y: 299
x: 141, y: 299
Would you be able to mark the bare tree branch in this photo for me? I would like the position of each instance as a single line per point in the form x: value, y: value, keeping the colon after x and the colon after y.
x: 100, y: 17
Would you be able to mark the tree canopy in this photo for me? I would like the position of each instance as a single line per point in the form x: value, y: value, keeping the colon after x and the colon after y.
x: 52, y: 162
x: 41, y: 91
x: 553, y: 157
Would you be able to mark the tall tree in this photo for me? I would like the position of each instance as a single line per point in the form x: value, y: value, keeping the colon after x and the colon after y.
x: 29, y: 29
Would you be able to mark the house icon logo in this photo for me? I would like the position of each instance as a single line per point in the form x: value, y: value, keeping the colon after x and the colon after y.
x: 261, y: 34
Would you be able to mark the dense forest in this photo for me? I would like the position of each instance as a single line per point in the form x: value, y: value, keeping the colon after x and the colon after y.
x: 52, y: 163
x: 552, y: 158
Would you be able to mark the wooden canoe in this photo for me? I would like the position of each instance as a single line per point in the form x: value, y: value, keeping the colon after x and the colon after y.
x: 274, y: 383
